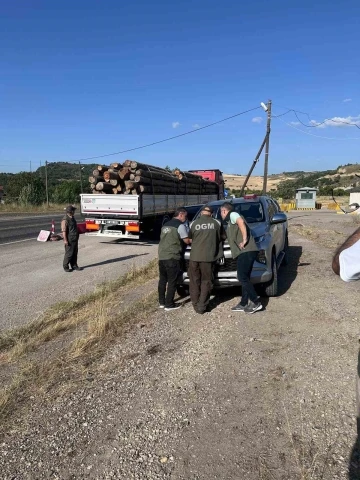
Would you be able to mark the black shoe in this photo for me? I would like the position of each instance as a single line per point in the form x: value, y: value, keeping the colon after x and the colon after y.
x: 253, y: 307
x: 200, y: 312
x: 75, y: 267
x: 67, y: 270
x: 173, y: 307
x: 239, y: 308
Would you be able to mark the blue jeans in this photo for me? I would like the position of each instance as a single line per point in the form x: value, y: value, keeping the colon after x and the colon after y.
x: 245, y: 262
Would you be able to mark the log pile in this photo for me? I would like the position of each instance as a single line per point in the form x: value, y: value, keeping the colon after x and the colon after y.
x: 134, y: 178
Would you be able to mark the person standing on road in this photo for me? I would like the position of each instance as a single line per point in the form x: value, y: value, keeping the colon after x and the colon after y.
x: 71, y: 239
x: 244, y: 249
x: 205, y: 233
x: 173, y: 236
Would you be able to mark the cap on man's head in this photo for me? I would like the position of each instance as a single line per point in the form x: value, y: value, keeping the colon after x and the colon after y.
x: 208, y: 209
x: 70, y: 209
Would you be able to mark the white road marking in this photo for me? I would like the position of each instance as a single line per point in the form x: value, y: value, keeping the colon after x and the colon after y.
x: 18, y: 241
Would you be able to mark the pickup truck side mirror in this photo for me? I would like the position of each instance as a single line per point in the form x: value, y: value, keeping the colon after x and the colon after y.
x: 278, y: 218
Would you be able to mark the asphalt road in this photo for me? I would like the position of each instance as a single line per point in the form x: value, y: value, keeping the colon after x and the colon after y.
x: 17, y: 228
x: 32, y: 278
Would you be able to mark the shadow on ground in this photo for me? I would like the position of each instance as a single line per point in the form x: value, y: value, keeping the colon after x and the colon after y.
x: 114, y: 260
x: 287, y: 274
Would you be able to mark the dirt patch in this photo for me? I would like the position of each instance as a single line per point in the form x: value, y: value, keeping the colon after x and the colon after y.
x: 223, y: 395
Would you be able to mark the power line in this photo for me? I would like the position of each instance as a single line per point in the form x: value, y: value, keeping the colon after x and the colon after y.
x: 315, y: 125
x: 166, y: 139
x: 318, y: 136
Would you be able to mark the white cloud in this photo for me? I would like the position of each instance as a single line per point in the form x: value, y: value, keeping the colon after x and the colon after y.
x: 257, y: 120
x: 175, y: 124
x: 295, y: 123
x: 196, y: 125
x: 347, y: 100
x: 337, y: 122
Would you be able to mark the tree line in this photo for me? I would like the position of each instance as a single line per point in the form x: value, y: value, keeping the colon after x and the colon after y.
x: 64, y: 184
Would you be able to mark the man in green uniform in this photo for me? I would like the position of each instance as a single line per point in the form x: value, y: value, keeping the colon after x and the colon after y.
x: 205, y: 233
x: 71, y: 239
x: 173, y: 236
x: 244, y: 249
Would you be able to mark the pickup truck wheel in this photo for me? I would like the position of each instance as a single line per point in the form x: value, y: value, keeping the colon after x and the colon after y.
x: 285, y: 260
x: 182, y: 291
x: 272, y: 287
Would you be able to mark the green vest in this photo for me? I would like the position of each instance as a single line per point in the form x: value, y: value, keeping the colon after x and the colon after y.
x: 170, y: 246
x: 235, y: 237
x: 206, y: 243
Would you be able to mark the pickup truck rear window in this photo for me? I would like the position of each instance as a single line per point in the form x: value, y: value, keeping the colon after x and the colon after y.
x: 253, y: 212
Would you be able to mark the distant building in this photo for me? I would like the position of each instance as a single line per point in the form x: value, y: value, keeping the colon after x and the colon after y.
x: 354, y: 196
x: 305, y: 197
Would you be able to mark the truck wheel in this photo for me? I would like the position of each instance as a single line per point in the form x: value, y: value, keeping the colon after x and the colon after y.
x: 272, y: 287
x: 285, y: 260
x: 182, y: 291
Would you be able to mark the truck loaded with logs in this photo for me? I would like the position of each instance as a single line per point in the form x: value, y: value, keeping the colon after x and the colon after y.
x: 130, y: 199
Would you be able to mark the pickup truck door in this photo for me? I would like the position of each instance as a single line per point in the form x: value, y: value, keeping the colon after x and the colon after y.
x: 276, y: 231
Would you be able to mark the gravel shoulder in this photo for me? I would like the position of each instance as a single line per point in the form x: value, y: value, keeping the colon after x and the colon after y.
x: 219, y: 396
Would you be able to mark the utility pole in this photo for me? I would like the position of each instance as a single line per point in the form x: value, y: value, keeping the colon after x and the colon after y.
x: 81, y: 183
x: 30, y: 167
x: 46, y: 184
x: 268, y: 130
x: 253, y: 166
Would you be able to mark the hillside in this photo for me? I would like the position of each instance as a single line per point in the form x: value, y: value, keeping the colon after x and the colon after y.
x: 341, y: 180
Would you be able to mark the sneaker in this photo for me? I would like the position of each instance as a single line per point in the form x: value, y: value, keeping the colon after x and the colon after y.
x: 161, y: 306
x: 239, y: 308
x: 67, y: 270
x: 253, y: 307
x: 75, y: 267
x: 176, y: 306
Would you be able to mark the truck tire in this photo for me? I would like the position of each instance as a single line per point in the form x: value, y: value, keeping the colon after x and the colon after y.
x: 182, y: 291
x: 272, y: 287
x: 285, y: 260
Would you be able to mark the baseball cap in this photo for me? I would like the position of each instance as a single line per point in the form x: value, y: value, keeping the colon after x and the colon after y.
x: 207, y: 208
x: 70, y: 208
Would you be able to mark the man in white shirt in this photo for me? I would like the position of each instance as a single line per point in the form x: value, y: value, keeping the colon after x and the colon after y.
x: 346, y: 261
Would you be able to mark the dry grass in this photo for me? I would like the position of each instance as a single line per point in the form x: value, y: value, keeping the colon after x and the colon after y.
x: 326, y: 238
x: 58, y: 349
x: 60, y: 317
x: 310, y: 456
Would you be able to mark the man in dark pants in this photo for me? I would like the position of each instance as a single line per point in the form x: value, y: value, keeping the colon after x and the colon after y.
x: 173, y: 235
x: 205, y: 233
x: 244, y: 249
x: 71, y: 239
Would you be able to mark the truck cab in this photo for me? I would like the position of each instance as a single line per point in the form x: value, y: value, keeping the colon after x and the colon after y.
x: 212, y: 176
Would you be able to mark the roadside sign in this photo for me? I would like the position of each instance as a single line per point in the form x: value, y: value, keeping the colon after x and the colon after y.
x: 43, y: 236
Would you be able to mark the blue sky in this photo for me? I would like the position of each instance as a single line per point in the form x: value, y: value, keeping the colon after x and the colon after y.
x: 85, y: 78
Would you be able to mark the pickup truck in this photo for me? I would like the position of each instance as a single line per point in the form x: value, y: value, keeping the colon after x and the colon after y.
x: 269, y: 227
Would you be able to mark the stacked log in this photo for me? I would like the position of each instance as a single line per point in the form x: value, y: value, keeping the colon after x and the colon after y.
x: 135, y: 178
